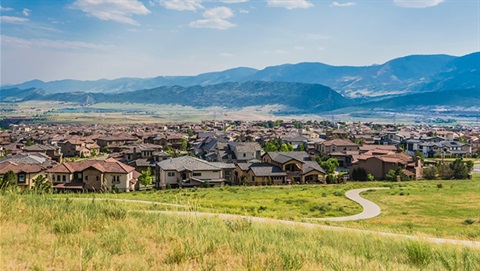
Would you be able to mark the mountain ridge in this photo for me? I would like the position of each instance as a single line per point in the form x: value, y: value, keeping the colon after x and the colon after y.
x: 403, y: 75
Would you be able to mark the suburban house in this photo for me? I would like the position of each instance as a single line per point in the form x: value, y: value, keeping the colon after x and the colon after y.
x: 337, y: 145
x: 187, y: 171
x: 93, y: 175
x: 113, y: 143
x: 26, y: 173
x: 258, y: 174
x: 298, y: 165
x: 53, y: 152
x: 78, y: 147
x: 436, y: 147
x: 380, y: 162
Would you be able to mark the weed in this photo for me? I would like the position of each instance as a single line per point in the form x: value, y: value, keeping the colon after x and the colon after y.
x: 418, y: 254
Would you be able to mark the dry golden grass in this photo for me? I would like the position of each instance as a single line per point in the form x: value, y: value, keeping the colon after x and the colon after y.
x: 100, y: 235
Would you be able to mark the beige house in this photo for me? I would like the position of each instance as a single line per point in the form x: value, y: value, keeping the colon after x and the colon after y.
x: 94, y: 175
x: 337, y: 146
x: 26, y: 173
x: 379, y: 163
x: 298, y: 166
x: 259, y: 174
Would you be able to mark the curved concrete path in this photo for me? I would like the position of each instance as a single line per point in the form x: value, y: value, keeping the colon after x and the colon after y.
x: 370, y: 209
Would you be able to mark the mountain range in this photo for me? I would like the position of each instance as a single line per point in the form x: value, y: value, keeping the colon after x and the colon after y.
x: 417, y: 80
x: 405, y: 75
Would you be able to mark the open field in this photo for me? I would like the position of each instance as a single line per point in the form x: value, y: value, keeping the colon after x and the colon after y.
x: 40, y: 233
x: 421, y: 208
x: 417, y: 207
x: 124, y: 113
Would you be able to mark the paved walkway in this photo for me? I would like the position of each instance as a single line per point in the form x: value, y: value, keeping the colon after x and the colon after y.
x: 135, y: 201
x: 370, y: 209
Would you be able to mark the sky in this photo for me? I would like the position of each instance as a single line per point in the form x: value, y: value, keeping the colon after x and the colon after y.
x: 94, y: 39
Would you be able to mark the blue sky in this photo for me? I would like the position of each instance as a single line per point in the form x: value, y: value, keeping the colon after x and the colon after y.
x: 93, y: 39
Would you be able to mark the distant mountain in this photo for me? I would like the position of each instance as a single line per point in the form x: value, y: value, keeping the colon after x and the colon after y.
x: 16, y: 94
x: 400, y: 76
x: 131, y: 84
x: 449, y: 98
x: 297, y: 96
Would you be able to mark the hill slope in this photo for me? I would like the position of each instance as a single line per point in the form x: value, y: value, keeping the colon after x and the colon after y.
x: 302, y: 97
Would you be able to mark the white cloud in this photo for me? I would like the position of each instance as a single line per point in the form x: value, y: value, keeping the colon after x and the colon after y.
x: 226, y: 55
x: 290, y: 4
x: 215, y: 18
x: 112, y: 10
x: 232, y: 1
x: 26, y: 12
x: 181, y: 5
x: 13, y: 20
x: 298, y: 48
x: 281, y: 52
x: 417, y: 3
x: 244, y: 11
x: 151, y: 3
x: 52, y: 44
x: 5, y: 9
x: 342, y: 5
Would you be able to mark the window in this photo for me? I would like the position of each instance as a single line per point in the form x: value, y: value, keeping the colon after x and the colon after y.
x: 116, y: 179
x: 197, y: 174
x: 244, y: 155
x: 98, y: 178
x: 21, y: 178
x: 171, y: 174
x: 64, y: 178
x: 86, y: 178
x: 58, y: 178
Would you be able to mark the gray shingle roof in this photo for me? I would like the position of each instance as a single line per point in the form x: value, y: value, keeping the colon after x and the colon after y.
x: 186, y: 163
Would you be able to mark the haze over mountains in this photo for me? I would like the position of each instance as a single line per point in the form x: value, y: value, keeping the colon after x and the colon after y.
x: 310, y: 86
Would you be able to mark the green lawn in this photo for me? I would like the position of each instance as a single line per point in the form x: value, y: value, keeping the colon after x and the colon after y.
x: 416, y: 207
x: 422, y: 208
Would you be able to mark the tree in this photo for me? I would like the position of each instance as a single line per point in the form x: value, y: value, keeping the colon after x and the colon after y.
x: 393, y: 175
x: 419, y: 154
x: 270, y: 147
x: 330, y: 165
x: 184, y: 144
x: 430, y: 173
x: 29, y: 142
x: 190, y: 132
x: 301, y: 147
x: 244, y: 180
x: 283, y: 147
x: 9, y: 180
x: 370, y: 177
x: 145, y: 177
x: 42, y: 185
x: 461, y: 169
x: 94, y: 152
x: 105, y: 149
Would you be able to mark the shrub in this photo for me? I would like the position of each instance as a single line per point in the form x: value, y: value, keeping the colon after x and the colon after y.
x: 439, y: 185
x: 468, y: 221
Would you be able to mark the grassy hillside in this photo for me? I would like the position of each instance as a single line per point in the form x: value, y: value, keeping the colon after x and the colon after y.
x: 416, y: 207
x: 41, y: 233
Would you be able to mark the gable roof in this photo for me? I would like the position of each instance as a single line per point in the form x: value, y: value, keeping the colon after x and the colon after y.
x: 186, y: 163
x: 283, y: 157
x: 106, y: 166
